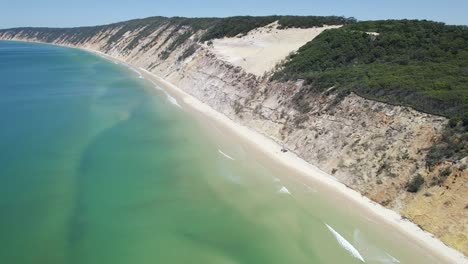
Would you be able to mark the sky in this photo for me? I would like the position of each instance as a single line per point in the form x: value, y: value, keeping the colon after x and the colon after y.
x: 66, y: 13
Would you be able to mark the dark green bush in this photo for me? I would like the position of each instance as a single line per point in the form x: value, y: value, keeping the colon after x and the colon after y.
x: 415, y: 184
x: 452, y: 146
x: 445, y: 172
x: 188, y: 52
x: 453, y: 122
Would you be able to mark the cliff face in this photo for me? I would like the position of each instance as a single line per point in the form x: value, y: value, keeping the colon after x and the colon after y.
x: 372, y: 147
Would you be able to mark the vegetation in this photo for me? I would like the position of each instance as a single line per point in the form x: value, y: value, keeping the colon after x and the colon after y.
x: 421, y: 64
x: 179, y: 40
x: 415, y: 183
x: 212, y: 28
x: 146, y: 30
x: 233, y: 26
x: 452, y: 146
x: 77, y: 35
x: 312, y: 21
x: 188, y: 52
x: 445, y: 172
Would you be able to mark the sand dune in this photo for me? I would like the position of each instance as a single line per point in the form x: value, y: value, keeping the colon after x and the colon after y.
x: 261, y: 49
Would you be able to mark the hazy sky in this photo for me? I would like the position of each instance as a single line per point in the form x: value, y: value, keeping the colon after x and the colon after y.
x: 65, y: 13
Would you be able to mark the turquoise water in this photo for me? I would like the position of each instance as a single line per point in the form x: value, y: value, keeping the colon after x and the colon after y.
x: 97, y: 166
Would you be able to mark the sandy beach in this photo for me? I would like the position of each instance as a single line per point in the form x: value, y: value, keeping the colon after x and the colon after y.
x: 297, y: 167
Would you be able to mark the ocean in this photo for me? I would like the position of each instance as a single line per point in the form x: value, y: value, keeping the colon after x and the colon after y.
x: 98, y: 166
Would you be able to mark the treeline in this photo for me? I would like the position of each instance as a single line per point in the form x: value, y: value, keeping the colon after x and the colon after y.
x: 421, y: 64
x: 233, y: 26
x: 313, y: 21
x: 181, y: 29
x: 77, y: 35
x: 215, y: 27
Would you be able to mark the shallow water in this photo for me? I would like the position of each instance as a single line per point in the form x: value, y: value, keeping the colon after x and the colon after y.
x: 97, y: 166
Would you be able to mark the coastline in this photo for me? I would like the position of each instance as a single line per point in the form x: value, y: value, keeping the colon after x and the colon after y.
x: 272, y: 149
x: 289, y: 160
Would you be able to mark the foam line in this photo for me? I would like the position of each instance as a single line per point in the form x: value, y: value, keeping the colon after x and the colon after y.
x: 225, y: 155
x: 139, y: 73
x: 284, y: 190
x: 394, y: 260
x: 345, y: 244
x: 172, y: 100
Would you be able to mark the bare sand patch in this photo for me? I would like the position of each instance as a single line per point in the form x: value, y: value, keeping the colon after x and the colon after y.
x: 262, y: 48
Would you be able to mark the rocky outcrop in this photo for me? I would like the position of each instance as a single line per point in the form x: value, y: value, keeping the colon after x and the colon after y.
x: 372, y: 147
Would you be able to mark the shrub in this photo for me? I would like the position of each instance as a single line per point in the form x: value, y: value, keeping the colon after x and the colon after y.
x: 452, y: 146
x: 415, y: 183
x: 453, y: 122
x: 188, y: 52
x: 445, y: 172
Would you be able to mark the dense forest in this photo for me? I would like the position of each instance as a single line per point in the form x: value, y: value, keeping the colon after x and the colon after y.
x: 421, y: 64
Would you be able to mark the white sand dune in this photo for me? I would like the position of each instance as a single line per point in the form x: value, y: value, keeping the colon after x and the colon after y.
x: 262, y: 48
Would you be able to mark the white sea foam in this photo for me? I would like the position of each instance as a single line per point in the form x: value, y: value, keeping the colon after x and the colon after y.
x: 310, y: 189
x: 392, y: 258
x: 284, y: 190
x: 225, y: 155
x: 172, y: 100
x: 276, y: 180
x: 345, y: 244
x: 139, y: 73
x: 373, y: 253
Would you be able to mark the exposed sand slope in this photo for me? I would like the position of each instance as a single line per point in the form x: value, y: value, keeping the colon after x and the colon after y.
x: 262, y: 48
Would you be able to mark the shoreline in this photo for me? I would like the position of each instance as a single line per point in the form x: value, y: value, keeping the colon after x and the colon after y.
x: 290, y: 161
x: 272, y: 149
